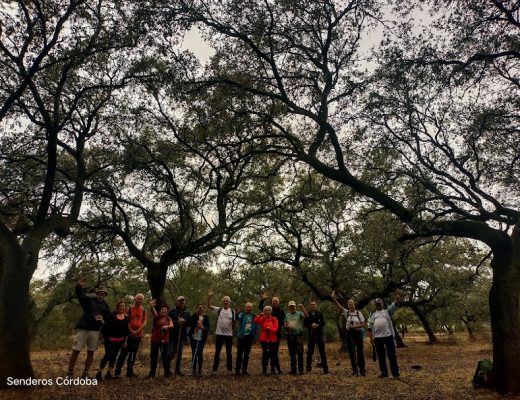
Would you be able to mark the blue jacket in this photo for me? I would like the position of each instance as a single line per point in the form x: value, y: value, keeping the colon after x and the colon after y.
x: 243, y: 319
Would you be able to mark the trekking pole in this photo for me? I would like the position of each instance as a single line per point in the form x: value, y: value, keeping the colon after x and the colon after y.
x: 179, y: 341
x: 195, y: 355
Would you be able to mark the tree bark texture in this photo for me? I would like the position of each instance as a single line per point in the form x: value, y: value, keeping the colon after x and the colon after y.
x: 18, y: 267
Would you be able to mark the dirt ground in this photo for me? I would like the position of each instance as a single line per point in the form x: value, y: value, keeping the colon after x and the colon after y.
x: 445, y: 373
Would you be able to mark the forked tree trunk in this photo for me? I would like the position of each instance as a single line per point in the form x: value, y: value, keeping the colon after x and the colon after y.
x: 17, y: 269
x: 504, y: 303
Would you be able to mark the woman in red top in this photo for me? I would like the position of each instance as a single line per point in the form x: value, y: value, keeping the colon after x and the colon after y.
x: 268, y: 339
x: 162, y: 324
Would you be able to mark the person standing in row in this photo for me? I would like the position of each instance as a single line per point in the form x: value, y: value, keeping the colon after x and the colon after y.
x: 355, y: 324
x: 137, y: 318
x: 223, y: 331
x: 315, y: 322
x: 198, y: 333
x: 268, y: 339
x: 381, y: 333
x: 245, y: 338
x: 181, y: 318
x: 294, y: 332
x: 279, y: 314
x: 115, y: 332
x: 95, y: 312
x: 162, y: 324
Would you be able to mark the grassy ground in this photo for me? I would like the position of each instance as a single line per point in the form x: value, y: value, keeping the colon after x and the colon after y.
x: 445, y: 373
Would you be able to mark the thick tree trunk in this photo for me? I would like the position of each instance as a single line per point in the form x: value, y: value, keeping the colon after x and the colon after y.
x: 399, y: 340
x: 17, y: 269
x: 342, y: 332
x: 504, y: 302
x: 425, y: 323
x: 156, y: 276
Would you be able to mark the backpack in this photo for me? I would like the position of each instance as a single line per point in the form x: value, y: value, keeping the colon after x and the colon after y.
x: 234, y: 323
x: 363, y: 333
x: 483, y: 374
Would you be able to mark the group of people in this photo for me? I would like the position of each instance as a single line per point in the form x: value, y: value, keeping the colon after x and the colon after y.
x: 122, y: 331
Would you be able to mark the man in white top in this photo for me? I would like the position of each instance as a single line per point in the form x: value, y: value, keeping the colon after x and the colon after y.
x: 381, y: 333
x: 223, y: 331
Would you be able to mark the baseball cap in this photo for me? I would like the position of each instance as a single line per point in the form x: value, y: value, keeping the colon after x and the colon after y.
x: 292, y: 303
x: 101, y: 290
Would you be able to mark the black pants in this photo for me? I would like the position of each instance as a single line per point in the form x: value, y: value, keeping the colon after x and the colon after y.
x: 316, y: 339
x: 111, y: 350
x: 270, y: 354
x: 244, y: 344
x: 219, y: 341
x: 389, y: 344
x: 295, y: 345
x: 154, y: 355
x: 131, y: 349
x: 275, y: 364
x: 175, y: 348
x: 197, y: 347
x: 355, y: 350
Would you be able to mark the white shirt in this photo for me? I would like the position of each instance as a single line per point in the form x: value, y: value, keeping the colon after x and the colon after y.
x: 224, y: 321
x: 353, y: 317
x: 382, y: 323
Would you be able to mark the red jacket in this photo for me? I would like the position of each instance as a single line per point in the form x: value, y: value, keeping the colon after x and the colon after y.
x: 268, y: 327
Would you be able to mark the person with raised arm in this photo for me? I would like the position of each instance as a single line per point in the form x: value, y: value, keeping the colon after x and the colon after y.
x: 162, y: 324
x: 224, y: 331
x: 95, y: 313
x: 381, y: 333
x: 355, y: 324
x: 279, y: 314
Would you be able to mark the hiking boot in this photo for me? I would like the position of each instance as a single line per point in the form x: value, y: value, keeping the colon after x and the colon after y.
x: 382, y: 376
x: 245, y: 373
x: 70, y: 374
x: 363, y: 373
x: 309, y: 368
x: 84, y: 374
x: 179, y: 373
x: 292, y: 372
x: 108, y: 375
x: 99, y: 376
